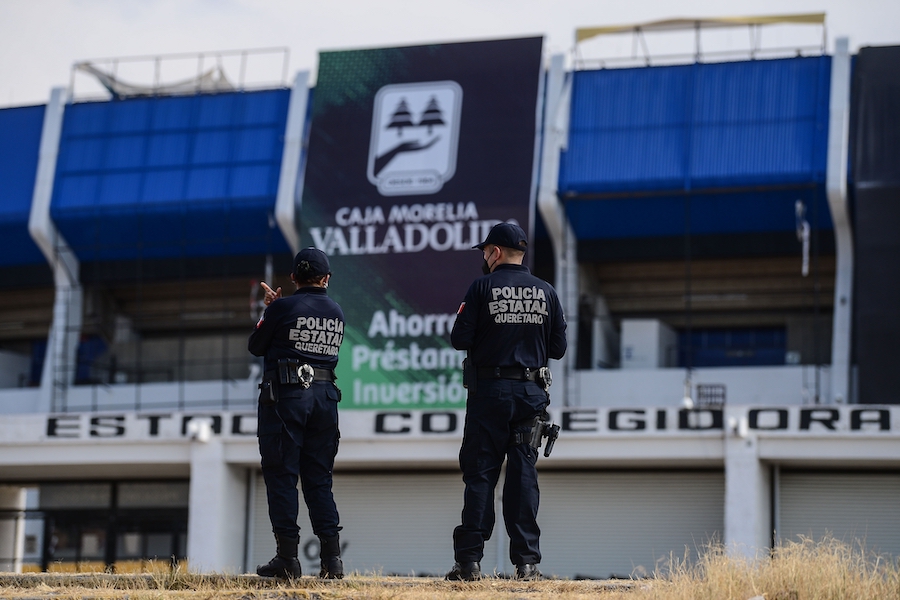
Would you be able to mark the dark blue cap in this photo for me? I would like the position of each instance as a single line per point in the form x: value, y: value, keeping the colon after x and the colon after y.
x: 311, y: 263
x: 508, y: 235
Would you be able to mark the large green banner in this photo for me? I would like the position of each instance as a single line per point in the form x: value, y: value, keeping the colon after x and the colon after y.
x: 414, y: 154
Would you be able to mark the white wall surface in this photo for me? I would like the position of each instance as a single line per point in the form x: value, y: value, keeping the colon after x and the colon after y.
x: 238, y: 394
x: 19, y: 400
x: 745, y: 386
x: 13, y: 368
x: 647, y: 344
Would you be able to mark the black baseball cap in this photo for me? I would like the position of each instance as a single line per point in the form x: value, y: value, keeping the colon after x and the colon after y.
x: 508, y: 235
x: 313, y: 262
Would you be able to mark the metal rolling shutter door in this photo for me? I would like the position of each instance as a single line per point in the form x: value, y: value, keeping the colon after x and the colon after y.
x: 602, y: 524
x: 852, y: 507
x: 400, y: 523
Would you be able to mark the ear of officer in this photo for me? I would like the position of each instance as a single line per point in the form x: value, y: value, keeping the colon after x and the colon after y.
x: 496, y: 255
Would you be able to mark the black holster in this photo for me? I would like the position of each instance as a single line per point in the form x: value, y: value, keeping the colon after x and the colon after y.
x: 543, y: 427
x: 470, y: 375
x: 267, y: 394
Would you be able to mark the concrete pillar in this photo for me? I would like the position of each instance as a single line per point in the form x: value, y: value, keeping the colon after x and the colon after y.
x: 748, y: 526
x: 65, y: 330
x: 290, y: 182
x: 217, y: 512
x: 565, y: 244
x: 12, y: 528
x: 836, y: 187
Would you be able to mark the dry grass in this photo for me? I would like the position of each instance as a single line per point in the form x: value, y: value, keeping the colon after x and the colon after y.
x: 804, y: 570
x: 826, y: 570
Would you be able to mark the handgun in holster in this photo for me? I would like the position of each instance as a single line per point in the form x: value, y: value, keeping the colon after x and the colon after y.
x: 542, y: 427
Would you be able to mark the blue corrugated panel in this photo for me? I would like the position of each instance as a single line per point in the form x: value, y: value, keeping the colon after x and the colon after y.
x: 760, y: 123
x: 20, y: 140
x: 627, y: 130
x: 697, y: 126
x: 171, y: 177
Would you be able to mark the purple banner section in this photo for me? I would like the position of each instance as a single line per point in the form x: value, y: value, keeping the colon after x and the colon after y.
x: 414, y: 154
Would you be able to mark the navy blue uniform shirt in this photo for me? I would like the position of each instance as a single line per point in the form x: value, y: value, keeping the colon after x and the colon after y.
x: 510, y: 318
x: 307, y: 325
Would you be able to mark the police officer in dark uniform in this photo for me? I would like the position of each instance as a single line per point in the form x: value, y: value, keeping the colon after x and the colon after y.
x: 510, y: 323
x: 300, y: 336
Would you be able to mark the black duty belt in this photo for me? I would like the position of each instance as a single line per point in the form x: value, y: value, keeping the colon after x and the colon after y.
x: 518, y: 373
x: 291, y: 371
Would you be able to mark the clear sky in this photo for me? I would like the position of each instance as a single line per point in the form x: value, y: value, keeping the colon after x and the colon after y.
x: 41, y: 39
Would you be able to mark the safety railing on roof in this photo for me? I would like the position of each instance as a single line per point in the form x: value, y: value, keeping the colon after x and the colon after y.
x: 179, y: 74
x: 688, y: 40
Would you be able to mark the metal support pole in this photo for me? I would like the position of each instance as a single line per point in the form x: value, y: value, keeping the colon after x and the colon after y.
x: 836, y: 185
x: 290, y: 183
x: 556, y: 125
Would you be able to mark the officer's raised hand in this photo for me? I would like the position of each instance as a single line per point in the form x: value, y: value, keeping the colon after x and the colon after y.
x: 271, y: 295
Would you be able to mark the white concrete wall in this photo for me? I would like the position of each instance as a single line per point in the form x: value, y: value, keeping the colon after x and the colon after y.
x: 13, y: 368
x: 238, y: 394
x: 749, y: 386
x: 19, y: 400
x: 745, y: 386
x: 647, y: 344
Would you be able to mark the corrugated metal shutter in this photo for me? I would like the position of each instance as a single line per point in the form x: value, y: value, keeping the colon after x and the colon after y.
x: 593, y: 524
x: 602, y: 524
x: 394, y: 523
x: 852, y: 507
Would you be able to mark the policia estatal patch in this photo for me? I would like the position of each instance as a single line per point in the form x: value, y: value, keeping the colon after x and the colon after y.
x: 316, y: 335
x: 517, y: 305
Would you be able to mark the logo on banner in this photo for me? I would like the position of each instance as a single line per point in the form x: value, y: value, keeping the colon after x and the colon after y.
x: 415, y: 133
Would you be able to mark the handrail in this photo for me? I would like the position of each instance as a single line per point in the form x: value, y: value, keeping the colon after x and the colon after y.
x: 210, y: 74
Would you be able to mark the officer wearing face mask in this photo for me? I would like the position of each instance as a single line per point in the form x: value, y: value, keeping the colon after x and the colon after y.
x: 300, y: 336
x: 510, y: 323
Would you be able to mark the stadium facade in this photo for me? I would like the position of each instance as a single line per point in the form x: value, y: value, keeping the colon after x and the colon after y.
x: 723, y: 238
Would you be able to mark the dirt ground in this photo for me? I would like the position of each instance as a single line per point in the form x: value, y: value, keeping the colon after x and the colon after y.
x: 171, y: 586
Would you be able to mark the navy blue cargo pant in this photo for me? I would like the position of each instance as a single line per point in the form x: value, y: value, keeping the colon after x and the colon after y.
x: 497, y: 409
x: 298, y: 439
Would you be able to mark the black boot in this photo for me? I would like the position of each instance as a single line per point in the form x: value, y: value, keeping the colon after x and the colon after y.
x: 285, y: 564
x: 332, y: 567
x: 528, y: 572
x: 465, y: 571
